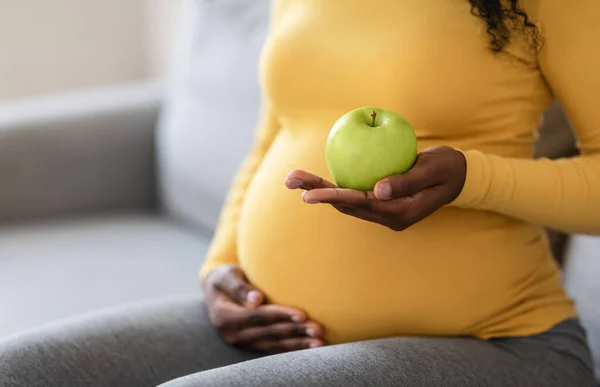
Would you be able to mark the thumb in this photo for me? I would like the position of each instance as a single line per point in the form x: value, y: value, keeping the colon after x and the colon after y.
x: 422, y: 175
x: 232, y: 282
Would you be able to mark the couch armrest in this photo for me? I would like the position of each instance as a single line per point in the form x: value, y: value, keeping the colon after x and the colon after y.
x: 81, y: 152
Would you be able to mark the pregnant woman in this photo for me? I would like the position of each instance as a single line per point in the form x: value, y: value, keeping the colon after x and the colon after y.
x: 439, y: 277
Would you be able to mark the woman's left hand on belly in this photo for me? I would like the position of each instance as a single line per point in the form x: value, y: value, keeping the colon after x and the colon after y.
x: 398, y: 201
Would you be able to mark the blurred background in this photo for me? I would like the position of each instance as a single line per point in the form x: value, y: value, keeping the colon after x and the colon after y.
x: 58, y: 45
x: 111, y: 180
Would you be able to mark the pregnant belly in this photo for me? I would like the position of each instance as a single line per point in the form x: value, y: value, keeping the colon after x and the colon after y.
x: 360, y: 280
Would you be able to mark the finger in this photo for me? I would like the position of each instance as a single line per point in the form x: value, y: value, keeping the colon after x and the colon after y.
x: 338, y: 196
x: 231, y: 317
x: 275, y: 331
x: 299, y: 179
x: 358, y: 204
x: 294, y: 314
x: 363, y: 213
x: 231, y: 281
x: 422, y: 175
x: 287, y: 345
x: 409, y: 210
x: 420, y: 205
x: 301, y: 343
x: 313, y: 329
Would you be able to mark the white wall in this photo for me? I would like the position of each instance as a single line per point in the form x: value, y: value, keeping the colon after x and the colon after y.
x: 162, y: 17
x: 48, y: 46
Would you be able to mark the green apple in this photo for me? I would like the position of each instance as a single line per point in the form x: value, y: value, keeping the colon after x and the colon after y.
x: 368, y: 144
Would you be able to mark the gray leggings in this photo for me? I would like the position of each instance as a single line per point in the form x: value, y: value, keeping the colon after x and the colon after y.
x: 161, y: 342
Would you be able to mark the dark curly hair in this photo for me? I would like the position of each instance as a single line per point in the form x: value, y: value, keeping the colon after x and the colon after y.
x: 505, y: 18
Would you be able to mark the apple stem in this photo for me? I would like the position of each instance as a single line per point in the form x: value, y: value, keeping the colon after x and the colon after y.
x: 374, y: 115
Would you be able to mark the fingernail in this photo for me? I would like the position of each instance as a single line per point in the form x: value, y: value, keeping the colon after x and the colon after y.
x: 296, y: 319
x: 253, y: 297
x: 294, y: 184
x: 309, y: 201
x: 384, y: 190
x: 314, y: 344
x: 311, y: 332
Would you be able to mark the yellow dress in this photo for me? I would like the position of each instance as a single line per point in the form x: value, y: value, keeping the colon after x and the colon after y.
x: 479, y: 266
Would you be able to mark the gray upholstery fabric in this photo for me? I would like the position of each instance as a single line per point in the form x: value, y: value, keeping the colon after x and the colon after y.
x: 556, y: 135
x: 211, y: 111
x: 582, y: 279
x: 82, y: 152
x: 140, y: 345
x: 54, y: 270
x: 144, y: 345
x: 555, y: 358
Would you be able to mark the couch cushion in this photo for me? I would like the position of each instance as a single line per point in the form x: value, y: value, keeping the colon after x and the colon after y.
x: 55, y: 270
x: 212, y: 105
x: 582, y: 270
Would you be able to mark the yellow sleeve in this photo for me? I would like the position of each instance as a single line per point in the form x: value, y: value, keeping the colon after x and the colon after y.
x: 562, y: 194
x: 223, y: 248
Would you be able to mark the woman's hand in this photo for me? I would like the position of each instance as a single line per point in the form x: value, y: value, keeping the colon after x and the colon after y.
x: 398, y: 201
x: 238, y: 311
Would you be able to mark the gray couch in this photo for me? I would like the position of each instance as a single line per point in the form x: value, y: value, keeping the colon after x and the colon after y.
x: 110, y: 196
